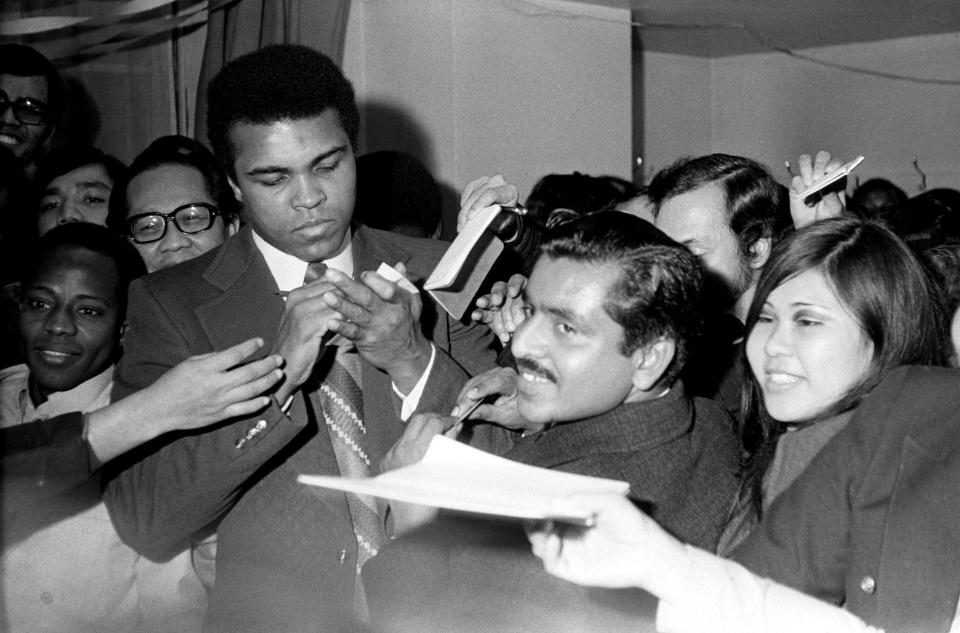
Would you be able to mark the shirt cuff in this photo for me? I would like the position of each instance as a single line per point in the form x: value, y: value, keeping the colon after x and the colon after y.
x: 412, y: 400
x: 93, y: 462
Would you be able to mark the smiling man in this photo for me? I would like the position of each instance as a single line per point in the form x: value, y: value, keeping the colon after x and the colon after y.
x: 64, y: 566
x: 598, y: 363
x: 31, y: 100
x: 284, y: 123
x: 598, y: 356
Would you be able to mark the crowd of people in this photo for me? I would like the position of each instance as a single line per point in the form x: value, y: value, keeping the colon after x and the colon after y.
x: 772, y: 374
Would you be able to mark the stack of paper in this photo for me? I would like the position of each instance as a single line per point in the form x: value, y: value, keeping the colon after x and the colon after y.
x: 455, y: 476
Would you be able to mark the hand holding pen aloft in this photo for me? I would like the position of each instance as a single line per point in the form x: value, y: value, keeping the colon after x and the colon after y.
x: 829, y: 203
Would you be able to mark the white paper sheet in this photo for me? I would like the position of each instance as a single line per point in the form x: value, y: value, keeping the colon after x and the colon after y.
x: 455, y: 476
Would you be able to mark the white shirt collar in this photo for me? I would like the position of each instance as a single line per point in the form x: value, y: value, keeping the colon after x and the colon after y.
x: 288, y: 271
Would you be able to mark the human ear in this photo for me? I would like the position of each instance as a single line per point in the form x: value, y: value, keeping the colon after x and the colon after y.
x: 236, y: 190
x: 233, y: 225
x: 651, y: 361
x: 760, y: 252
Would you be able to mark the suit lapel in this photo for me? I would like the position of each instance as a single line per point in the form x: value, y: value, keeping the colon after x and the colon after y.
x: 370, y: 250
x: 249, y: 305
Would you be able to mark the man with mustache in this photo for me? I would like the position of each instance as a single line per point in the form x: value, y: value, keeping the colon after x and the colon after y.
x: 597, y: 392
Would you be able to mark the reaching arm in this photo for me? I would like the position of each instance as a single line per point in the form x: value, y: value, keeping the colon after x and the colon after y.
x: 197, y: 392
x: 169, y: 488
x: 698, y: 591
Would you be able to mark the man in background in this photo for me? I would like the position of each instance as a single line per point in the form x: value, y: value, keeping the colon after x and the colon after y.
x: 729, y: 211
x: 32, y: 100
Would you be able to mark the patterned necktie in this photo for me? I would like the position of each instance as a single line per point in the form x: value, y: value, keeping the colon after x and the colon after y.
x: 340, y: 401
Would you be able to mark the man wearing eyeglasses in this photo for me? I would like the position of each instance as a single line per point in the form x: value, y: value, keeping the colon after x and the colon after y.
x: 175, y: 202
x: 31, y: 100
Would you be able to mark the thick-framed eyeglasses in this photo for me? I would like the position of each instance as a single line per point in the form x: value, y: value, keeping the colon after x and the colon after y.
x: 27, y: 111
x: 195, y: 217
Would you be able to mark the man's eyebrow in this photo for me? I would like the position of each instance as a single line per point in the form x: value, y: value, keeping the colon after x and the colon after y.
x: 105, y: 300
x: 564, y: 314
x: 94, y: 184
x: 268, y: 169
x: 324, y: 156
x: 276, y: 169
x: 87, y: 184
x: 86, y: 297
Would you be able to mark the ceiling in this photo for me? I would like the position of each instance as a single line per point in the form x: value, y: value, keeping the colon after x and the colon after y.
x: 753, y: 26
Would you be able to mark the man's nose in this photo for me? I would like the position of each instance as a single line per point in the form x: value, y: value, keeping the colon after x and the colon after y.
x: 309, y: 192
x: 60, y: 321
x: 70, y: 212
x: 174, y: 239
x: 7, y: 115
x: 527, y: 340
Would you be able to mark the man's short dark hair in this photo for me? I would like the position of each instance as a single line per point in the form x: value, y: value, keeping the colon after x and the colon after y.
x: 98, y: 239
x: 659, y: 285
x: 23, y: 61
x: 174, y: 150
x: 276, y: 83
x: 757, y: 205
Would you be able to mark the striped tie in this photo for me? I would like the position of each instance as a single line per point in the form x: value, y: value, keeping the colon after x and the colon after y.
x: 340, y: 401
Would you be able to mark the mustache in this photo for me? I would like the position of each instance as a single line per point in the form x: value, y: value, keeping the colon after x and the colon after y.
x: 533, y: 367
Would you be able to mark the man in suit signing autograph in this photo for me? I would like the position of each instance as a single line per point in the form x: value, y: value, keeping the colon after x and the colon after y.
x: 361, y: 354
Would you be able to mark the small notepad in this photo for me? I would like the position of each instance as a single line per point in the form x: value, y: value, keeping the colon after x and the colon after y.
x: 457, y: 278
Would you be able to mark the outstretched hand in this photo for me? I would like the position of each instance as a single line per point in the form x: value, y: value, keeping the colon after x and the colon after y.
x: 211, y: 387
x: 419, y: 432
x: 624, y: 548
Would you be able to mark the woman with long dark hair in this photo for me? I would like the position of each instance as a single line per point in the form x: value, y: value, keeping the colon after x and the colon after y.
x: 839, y: 304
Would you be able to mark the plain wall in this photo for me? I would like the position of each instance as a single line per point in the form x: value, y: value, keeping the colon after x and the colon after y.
x: 473, y: 88
x: 774, y: 107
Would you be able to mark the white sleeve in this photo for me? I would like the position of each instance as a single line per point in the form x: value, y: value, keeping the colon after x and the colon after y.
x: 412, y: 399
x: 726, y: 597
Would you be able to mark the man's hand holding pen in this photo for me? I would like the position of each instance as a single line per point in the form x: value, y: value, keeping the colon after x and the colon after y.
x: 492, y: 397
x: 307, y: 318
x: 383, y: 322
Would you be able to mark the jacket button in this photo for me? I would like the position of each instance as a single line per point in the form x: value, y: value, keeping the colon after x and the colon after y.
x: 868, y: 585
x: 343, y: 556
